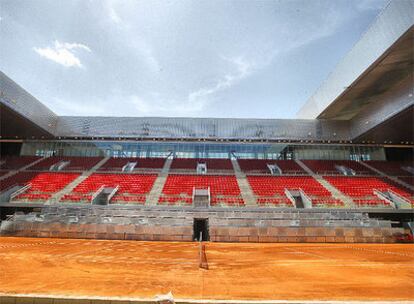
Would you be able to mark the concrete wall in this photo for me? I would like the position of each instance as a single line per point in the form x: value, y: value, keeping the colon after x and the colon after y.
x: 158, y: 224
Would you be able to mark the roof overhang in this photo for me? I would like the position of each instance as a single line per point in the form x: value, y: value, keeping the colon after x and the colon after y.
x: 377, y: 62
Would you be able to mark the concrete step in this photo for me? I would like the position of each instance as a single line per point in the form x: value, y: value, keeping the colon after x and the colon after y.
x: 334, y: 191
x: 159, y: 183
x: 246, y: 191
x: 57, y: 196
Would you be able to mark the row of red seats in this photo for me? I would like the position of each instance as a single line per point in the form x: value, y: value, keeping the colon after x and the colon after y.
x: 76, y: 198
x: 43, y: 184
x: 16, y: 162
x: 119, y: 199
x: 327, y: 202
x: 116, y: 164
x: 227, y: 201
x: 260, y: 166
x: 371, y: 202
x: 328, y: 166
x: 128, y: 183
x: 174, y: 200
x: 278, y: 202
x: 212, y: 163
x: 33, y: 196
x: 355, y: 186
x: 19, y: 179
x: 276, y: 185
x: 75, y: 163
x: 407, y: 179
x: 184, y: 184
x: 51, y: 182
x: 393, y: 168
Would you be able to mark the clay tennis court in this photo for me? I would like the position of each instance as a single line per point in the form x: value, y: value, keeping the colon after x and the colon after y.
x: 88, y: 268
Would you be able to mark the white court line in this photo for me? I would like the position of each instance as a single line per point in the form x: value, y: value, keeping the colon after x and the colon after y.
x: 196, y: 301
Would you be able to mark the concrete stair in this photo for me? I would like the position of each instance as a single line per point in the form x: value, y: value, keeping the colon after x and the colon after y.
x: 57, y: 196
x: 334, y: 191
x: 159, y: 183
x: 246, y: 191
x: 393, y: 178
x: 11, y: 173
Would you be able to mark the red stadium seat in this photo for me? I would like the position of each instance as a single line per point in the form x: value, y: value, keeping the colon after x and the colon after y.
x: 133, y: 188
x: 260, y: 166
x: 224, y: 189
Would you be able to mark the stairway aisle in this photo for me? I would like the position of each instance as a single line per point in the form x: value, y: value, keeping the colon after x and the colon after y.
x: 246, y: 191
x: 159, y: 183
x: 58, y: 195
x: 334, y: 191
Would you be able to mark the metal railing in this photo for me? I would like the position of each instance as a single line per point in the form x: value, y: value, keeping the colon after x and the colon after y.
x: 20, y: 191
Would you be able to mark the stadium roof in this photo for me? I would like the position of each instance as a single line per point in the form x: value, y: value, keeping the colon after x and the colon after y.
x: 377, y: 62
x: 368, y: 97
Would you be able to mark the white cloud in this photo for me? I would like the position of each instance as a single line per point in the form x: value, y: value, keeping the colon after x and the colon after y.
x: 63, y: 53
x: 243, y: 69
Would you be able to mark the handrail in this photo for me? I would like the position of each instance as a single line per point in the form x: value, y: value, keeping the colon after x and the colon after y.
x: 303, y: 193
x: 97, y: 192
x: 399, y: 196
x: 289, y: 196
x: 20, y: 191
x: 381, y: 195
x: 113, y: 192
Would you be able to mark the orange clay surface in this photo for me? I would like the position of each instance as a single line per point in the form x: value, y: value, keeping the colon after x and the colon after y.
x: 88, y: 268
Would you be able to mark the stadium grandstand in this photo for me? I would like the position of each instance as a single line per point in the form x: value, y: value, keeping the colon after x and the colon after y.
x: 341, y: 172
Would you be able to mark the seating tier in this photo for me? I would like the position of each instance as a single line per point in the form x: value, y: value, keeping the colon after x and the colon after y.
x: 133, y: 188
x: 361, y: 189
x: 43, y: 184
x: 260, y: 166
x: 116, y: 164
x: 392, y: 168
x: 329, y: 166
x: 276, y: 185
x: 224, y: 189
x: 16, y: 162
x: 76, y: 163
x: 191, y: 163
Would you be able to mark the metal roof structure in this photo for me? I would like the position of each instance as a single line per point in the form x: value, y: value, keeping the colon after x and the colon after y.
x: 367, y: 96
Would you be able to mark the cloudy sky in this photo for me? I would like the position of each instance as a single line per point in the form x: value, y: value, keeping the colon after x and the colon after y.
x: 260, y: 59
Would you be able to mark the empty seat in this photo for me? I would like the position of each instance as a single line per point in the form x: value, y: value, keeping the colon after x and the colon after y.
x: 361, y: 189
x: 16, y: 162
x: 133, y: 188
x: 213, y: 164
x: 43, y: 184
x: 224, y: 189
x: 329, y: 167
x: 116, y: 164
x: 75, y: 163
x: 260, y: 166
x: 270, y: 190
x: 393, y: 168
